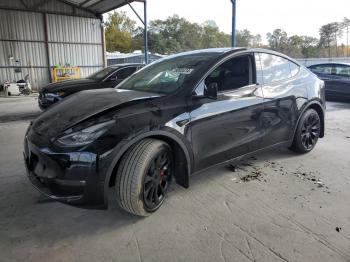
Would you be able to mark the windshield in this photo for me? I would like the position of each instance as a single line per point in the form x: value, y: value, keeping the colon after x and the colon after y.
x: 166, y: 75
x: 101, y: 74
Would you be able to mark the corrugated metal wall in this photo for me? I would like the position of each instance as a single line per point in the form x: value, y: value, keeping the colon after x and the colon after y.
x: 75, y: 41
x: 72, y: 40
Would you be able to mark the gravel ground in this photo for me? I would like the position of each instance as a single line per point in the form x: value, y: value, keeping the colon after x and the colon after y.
x: 278, y: 206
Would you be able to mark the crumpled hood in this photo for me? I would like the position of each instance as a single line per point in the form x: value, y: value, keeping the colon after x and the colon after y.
x: 64, y: 85
x: 81, y: 106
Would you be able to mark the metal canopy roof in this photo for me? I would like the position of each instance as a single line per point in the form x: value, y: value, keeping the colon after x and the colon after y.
x: 98, y: 6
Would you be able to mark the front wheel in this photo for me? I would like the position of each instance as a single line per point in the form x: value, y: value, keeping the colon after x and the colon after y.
x: 307, y: 133
x: 144, y: 176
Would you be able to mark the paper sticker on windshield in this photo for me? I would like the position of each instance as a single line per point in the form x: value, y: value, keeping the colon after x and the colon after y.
x: 184, y: 71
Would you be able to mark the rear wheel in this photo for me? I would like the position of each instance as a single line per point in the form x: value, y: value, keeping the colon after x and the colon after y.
x: 144, y: 176
x: 307, y: 133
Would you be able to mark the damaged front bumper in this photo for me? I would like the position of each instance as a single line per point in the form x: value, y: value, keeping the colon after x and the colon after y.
x: 69, y: 177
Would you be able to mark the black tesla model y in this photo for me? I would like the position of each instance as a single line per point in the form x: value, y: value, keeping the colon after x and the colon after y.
x: 173, y: 118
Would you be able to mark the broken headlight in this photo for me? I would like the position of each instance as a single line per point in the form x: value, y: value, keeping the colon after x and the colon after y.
x: 84, y: 136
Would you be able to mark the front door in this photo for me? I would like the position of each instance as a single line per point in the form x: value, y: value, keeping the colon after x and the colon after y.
x: 229, y: 126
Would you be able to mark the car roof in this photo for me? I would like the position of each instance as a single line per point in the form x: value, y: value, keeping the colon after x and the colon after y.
x: 330, y: 63
x: 125, y: 65
x: 231, y: 50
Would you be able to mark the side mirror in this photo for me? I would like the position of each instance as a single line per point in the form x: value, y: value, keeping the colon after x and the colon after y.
x: 211, y: 91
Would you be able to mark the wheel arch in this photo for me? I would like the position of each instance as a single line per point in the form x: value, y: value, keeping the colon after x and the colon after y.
x: 183, y: 158
x: 317, y: 106
x: 319, y: 109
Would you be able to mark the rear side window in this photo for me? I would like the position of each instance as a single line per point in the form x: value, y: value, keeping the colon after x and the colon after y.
x: 322, y: 69
x: 341, y: 70
x: 294, y: 69
x: 274, y: 68
x: 125, y: 72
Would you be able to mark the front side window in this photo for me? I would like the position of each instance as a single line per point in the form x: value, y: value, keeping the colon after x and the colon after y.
x: 167, y: 75
x: 101, y: 74
x: 232, y: 74
x: 274, y: 68
x: 125, y: 72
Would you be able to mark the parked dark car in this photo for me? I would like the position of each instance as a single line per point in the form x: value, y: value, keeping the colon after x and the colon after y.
x: 108, y: 77
x: 336, y: 77
x: 175, y: 117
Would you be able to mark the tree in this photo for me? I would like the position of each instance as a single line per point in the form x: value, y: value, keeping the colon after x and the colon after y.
x: 278, y: 40
x: 256, y: 41
x: 119, y: 32
x: 246, y: 39
x: 294, y: 46
x: 309, y: 47
x: 176, y: 34
x: 329, y: 35
x: 346, y: 25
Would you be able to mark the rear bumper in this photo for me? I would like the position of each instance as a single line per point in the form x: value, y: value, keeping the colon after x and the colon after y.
x: 67, y: 177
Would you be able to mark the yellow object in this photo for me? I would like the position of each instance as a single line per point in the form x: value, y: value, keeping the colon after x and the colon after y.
x: 65, y: 73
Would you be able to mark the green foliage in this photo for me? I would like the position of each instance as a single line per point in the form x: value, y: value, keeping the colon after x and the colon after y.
x: 119, y: 32
x: 176, y: 34
x: 244, y: 38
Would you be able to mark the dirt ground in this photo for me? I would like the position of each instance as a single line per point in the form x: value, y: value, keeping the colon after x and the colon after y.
x: 278, y: 206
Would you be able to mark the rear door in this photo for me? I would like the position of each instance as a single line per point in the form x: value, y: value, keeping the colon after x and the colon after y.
x: 280, y: 97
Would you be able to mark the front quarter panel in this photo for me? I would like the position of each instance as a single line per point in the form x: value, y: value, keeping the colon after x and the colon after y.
x: 163, y: 118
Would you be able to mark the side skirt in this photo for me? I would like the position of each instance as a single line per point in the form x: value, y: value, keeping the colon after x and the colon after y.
x: 236, y: 160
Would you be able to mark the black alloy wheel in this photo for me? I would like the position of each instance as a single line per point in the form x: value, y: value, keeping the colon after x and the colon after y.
x: 157, y: 179
x: 143, y: 177
x: 308, y: 132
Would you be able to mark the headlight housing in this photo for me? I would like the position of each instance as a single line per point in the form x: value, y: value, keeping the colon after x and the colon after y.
x: 54, y: 95
x: 84, y: 136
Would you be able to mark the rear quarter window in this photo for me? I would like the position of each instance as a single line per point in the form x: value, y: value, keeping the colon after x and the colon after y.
x: 294, y: 69
x: 342, y: 70
x: 274, y: 68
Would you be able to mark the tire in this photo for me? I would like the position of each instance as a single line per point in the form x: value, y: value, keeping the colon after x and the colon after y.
x: 307, y: 133
x: 144, y: 176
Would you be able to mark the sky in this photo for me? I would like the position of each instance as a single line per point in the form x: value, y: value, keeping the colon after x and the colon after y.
x: 301, y: 17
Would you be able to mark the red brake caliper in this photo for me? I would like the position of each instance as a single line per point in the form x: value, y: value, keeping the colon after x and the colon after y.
x: 162, y: 175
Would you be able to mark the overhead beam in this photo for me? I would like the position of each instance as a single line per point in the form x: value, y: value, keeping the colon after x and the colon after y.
x: 77, y: 6
x: 144, y: 22
x: 37, y: 5
x: 109, y: 7
x: 85, y: 2
x: 135, y: 12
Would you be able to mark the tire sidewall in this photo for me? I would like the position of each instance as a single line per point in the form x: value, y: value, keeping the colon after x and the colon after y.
x: 156, y: 151
x: 298, y: 143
